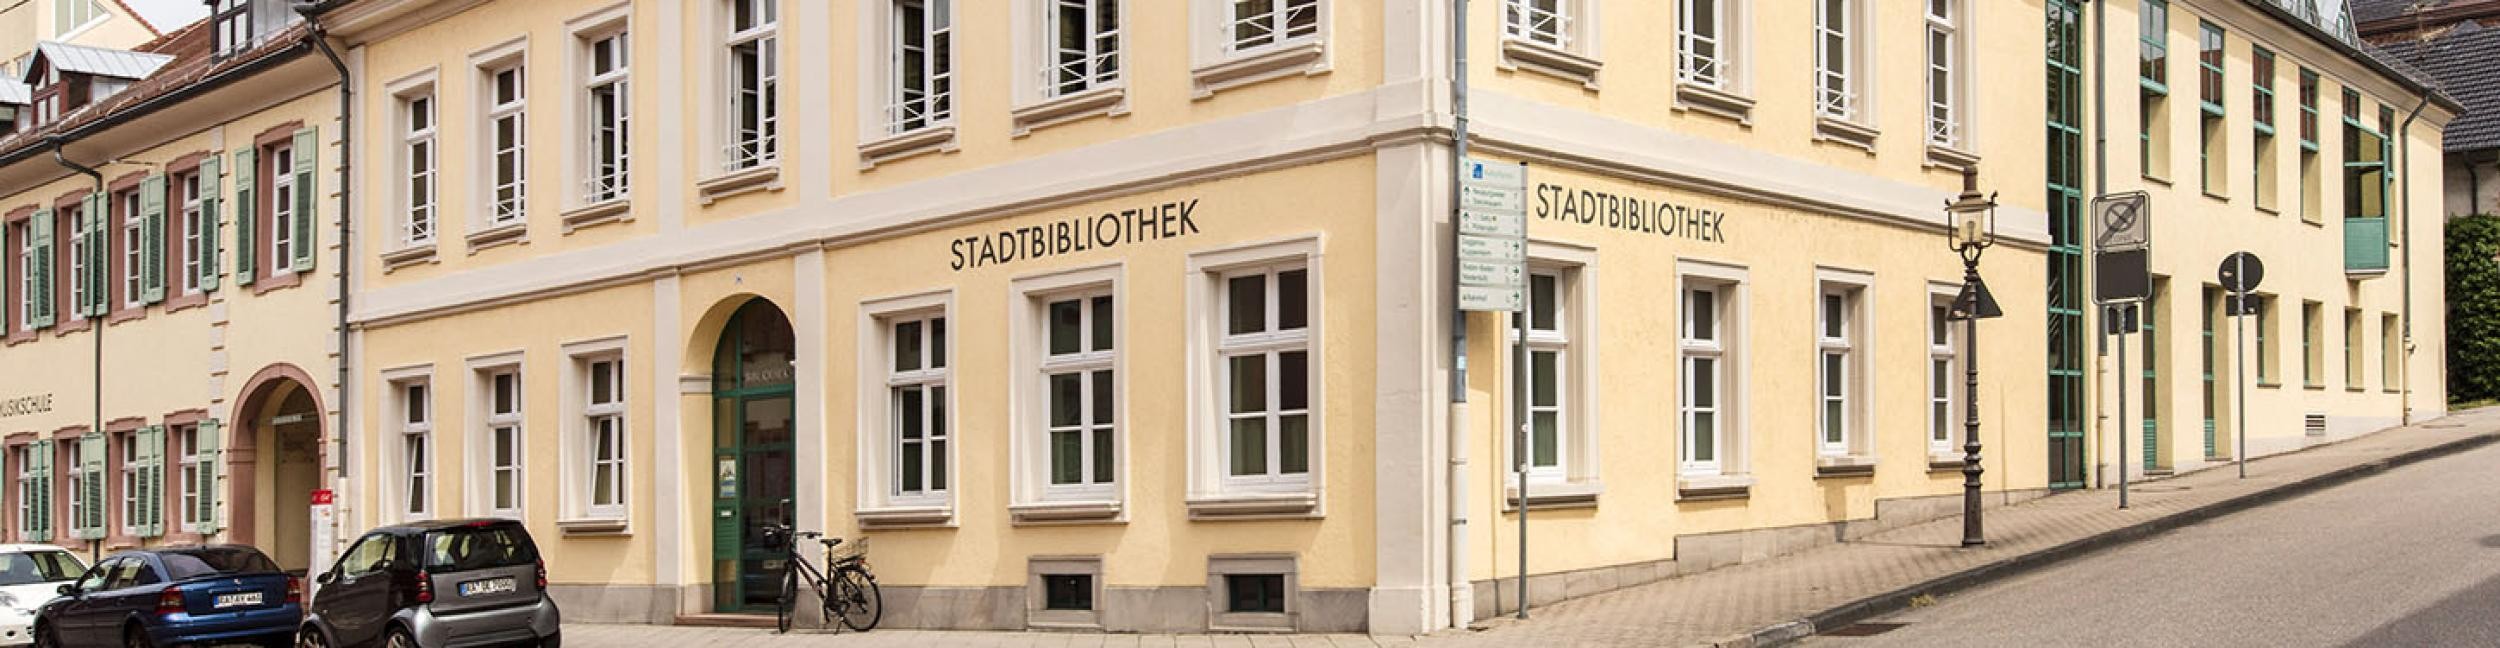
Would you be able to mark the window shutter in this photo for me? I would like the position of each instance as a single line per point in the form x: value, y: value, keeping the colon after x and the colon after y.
x: 215, y: 454
x: 91, y: 449
x: 152, y: 225
x: 39, y: 228
x: 244, y: 225
x: 39, y: 456
x: 307, y: 193
x: 99, y: 257
x: 212, y: 187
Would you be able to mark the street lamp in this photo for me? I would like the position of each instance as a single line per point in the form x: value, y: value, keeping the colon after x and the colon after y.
x: 1971, y: 226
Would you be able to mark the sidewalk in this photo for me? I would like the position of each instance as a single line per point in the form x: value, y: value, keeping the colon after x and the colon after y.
x: 1782, y: 599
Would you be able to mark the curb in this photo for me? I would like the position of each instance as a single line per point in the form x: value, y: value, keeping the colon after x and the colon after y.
x: 1794, y: 630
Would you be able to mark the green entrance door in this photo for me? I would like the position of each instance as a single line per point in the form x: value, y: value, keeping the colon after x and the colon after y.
x: 752, y: 484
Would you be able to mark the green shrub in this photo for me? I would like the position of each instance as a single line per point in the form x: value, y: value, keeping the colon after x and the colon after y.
x: 2474, y: 308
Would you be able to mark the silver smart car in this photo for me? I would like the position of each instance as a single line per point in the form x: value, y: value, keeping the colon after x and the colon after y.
x: 433, y: 585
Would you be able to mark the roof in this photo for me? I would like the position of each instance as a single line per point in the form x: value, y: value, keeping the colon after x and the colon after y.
x: 15, y: 93
x: 81, y: 59
x: 2459, y: 63
x: 190, y: 65
x: 2366, y: 11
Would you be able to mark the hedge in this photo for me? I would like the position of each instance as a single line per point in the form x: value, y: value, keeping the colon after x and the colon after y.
x: 2474, y: 308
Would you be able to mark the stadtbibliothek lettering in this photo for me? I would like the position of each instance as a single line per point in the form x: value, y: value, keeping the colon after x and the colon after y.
x: 1628, y: 213
x: 1079, y: 234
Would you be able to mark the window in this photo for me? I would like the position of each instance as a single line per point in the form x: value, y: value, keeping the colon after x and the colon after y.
x: 2265, y: 319
x: 1840, y: 367
x: 2309, y: 171
x: 507, y: 151
x: 1084, y: 45
x: 1265, y: 355
x: 282, y: 210
x: 192, y: 454
x: 196, y: 243
x: 917, y: 405
x: 27, y: 290
x: 1067, y: 591
x: 1708, y: 371
x: 86, y: 487
x: 80, y: 265
x: 416, y: 449
x: 2261, y: 73
x: 1702, y: 38
x: 1835, y: 59
x: 418, y: 161
x: 2210, y: 158
x: 34, y: 490
x: 1257, y: 24
x: 1944, y: 120
x: 2391, y: 376
x: 2153, y: 34
x: 1561, y: 443
x: 132, y: 244
x: 1543, y: 22
x: 755, y: 78
x: 2311, y: 360
x: 127, y: 448
x: 1943, y: 370
x: 504, y: 439
x: 1077, y: 372
x: 1253, y: 592
x: 234, y: 26
x: 73, y: 15
x: 604, y: 412
x: 2352, y: 349
x: 607, y: 138
x: 923, y: 80
x: 2365, y: 164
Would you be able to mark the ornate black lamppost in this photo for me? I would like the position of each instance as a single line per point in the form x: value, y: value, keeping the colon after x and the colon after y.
x: 1971, y: 220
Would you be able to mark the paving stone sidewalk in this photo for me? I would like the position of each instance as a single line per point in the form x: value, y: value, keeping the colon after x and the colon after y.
x: 1781, y: 599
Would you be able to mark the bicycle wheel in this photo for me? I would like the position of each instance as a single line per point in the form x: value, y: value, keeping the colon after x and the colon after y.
x: 789, y: 601
x: 861, y: 603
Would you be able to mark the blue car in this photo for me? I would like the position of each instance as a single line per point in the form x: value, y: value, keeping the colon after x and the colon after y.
x: 175, y: 596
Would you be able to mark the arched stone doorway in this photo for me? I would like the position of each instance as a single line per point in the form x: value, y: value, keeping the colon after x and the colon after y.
x: 274, y: 464
x: 754, y: 371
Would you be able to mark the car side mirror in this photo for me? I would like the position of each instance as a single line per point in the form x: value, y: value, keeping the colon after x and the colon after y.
x: 326, y: 577
x: 68, y: 589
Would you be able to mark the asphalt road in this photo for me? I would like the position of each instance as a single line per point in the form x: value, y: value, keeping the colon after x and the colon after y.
x: 2406, y: 558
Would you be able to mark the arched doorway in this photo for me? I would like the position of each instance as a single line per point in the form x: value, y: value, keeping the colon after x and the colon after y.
x: 275, y: 463
x: 753, y: 401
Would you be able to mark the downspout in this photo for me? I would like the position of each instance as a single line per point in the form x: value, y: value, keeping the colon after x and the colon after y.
x: 1462, y: 600
x: 2100, y: 187
x: 2404, y: 170
x: 94, y: 547
x: 320, y: 38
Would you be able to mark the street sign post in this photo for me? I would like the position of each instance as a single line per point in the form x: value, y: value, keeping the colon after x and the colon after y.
x: 2240, y: 273
x: 2122, y: 277
x: 1492, y: 276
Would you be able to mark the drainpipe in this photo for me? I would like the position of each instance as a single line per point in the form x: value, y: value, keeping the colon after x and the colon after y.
x: 2100, y: 187
x: 320, y: 38
x: 94, y: 547
x: 1462, y: 600
x: 2404, y: 169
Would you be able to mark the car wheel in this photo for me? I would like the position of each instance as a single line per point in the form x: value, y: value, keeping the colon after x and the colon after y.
x: 400, y: 639
x: 311, y: 638
x: 133, y: 637
x: 44, y: 637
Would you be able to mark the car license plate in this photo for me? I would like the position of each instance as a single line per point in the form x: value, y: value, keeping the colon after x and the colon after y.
x: 486, y: 586
x: 238, y: 599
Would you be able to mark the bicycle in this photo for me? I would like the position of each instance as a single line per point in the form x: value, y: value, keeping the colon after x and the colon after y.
x: 845, y: 587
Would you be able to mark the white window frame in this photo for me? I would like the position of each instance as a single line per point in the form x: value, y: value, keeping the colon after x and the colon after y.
x: 603, y: 178
x: 25, y: 238
x: 1574, y: 478
x: 494, y: 110
x: 1270, y: 343
x: 76, y: 472
x: 1854, y: 347
x: 1946, y: 66
x: 491, y: 424
x: 27, y: 518
x: 1942, y: 390
x: 126, y: 445
x: 281, y: 174
x: 1549, y: 23
x: 933, y: 105
x: 880, y: 474
x: 1845, y: 103
x: 193, y: 461
x: 1727, y: 349
x: 588, y: 419
x: 411, y: 497
x: 741, y: 150
x: 133, y: 243
x: 419, y: 157
x: 63, y: 27
x: 1213, y: 489
x: 189, y: 196
x: 1035, y: 496
x: 1098, y: 63
x: 1278, y: 20
x: 1716, y: 71
x: 77, y: 247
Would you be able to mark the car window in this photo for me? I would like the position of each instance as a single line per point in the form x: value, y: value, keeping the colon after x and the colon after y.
x: 208, y: 561
x: 38, y: 567
x: 94, y: 580
x: 367, y: 556
x: 126, y: 573
x: 484, y: 547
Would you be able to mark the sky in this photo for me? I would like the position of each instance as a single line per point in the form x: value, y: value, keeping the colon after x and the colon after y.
x: 168, y: 15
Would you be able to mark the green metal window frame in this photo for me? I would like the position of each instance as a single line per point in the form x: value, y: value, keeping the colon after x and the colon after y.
x: 2153, y: 57
x: 2209, y: 54
x: 2365, y: 236
x: 2066, y: 329
x: 2261, y: 87
x: 2152, y: 380
x: 2309, y: 316
x: 2308, y: 110
x: 2212, y: 311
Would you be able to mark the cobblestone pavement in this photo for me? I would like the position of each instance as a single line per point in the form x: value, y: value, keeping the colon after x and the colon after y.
x: 1722, y: 604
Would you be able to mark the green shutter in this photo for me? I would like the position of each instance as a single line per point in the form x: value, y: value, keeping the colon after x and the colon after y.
x: 207, y: 513
x: 100, y: 257
x: 152, y: 226
x: 212, y: 187
x: 152, y: 482
x: 307, y: 167
x: 91, y: 449
x: 40, y: 229
x: 40, y: 454
x: 244, y: 250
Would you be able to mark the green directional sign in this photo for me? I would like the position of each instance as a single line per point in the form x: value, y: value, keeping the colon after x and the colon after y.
x: 1492, y: 235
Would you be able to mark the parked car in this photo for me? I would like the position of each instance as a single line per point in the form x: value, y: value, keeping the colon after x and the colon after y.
x: 187, y: 595
x: 435, y: 584
x: 30, y: 575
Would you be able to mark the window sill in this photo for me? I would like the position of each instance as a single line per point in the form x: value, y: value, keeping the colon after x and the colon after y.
x: 1560, y: 63
x: 1844, y: 466
x: 185, y: 301
x: 277, y: 282
x: 595, y: 527
x: 1554, y: 495
x: 2209, y: 193
x: 411, y: 255
x: 612, y: 210
x: 1947, y: 462
x: 1110, y: 100
x: 20, y: 336
x: 1699, y: 488
x: 1713, y: 101
x: 1074, y: 511
x: 2269, y: 211
x: 927, y: 139
x: 2158, y: 180
x: 892, y: 517
x: 2314, y: 387
x: 2313, y: 221
x: 126, y: 314
x: 1948, y: 157
x: 2269, y: 385
x: 2365, y: 273
x: 1847, y: 132
x: 67, y: 326
x: 514, y: 233
x: 1254, y: 505
x: 761, y: 177
x: 1308, y: 58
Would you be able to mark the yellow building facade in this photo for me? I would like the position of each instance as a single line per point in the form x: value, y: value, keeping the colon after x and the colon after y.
x: 1137, y: 316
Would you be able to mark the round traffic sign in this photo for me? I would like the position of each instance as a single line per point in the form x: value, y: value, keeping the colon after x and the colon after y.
x: 2241, y: 272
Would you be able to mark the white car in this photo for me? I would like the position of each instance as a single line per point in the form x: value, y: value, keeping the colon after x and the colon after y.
x: 31, y: 574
